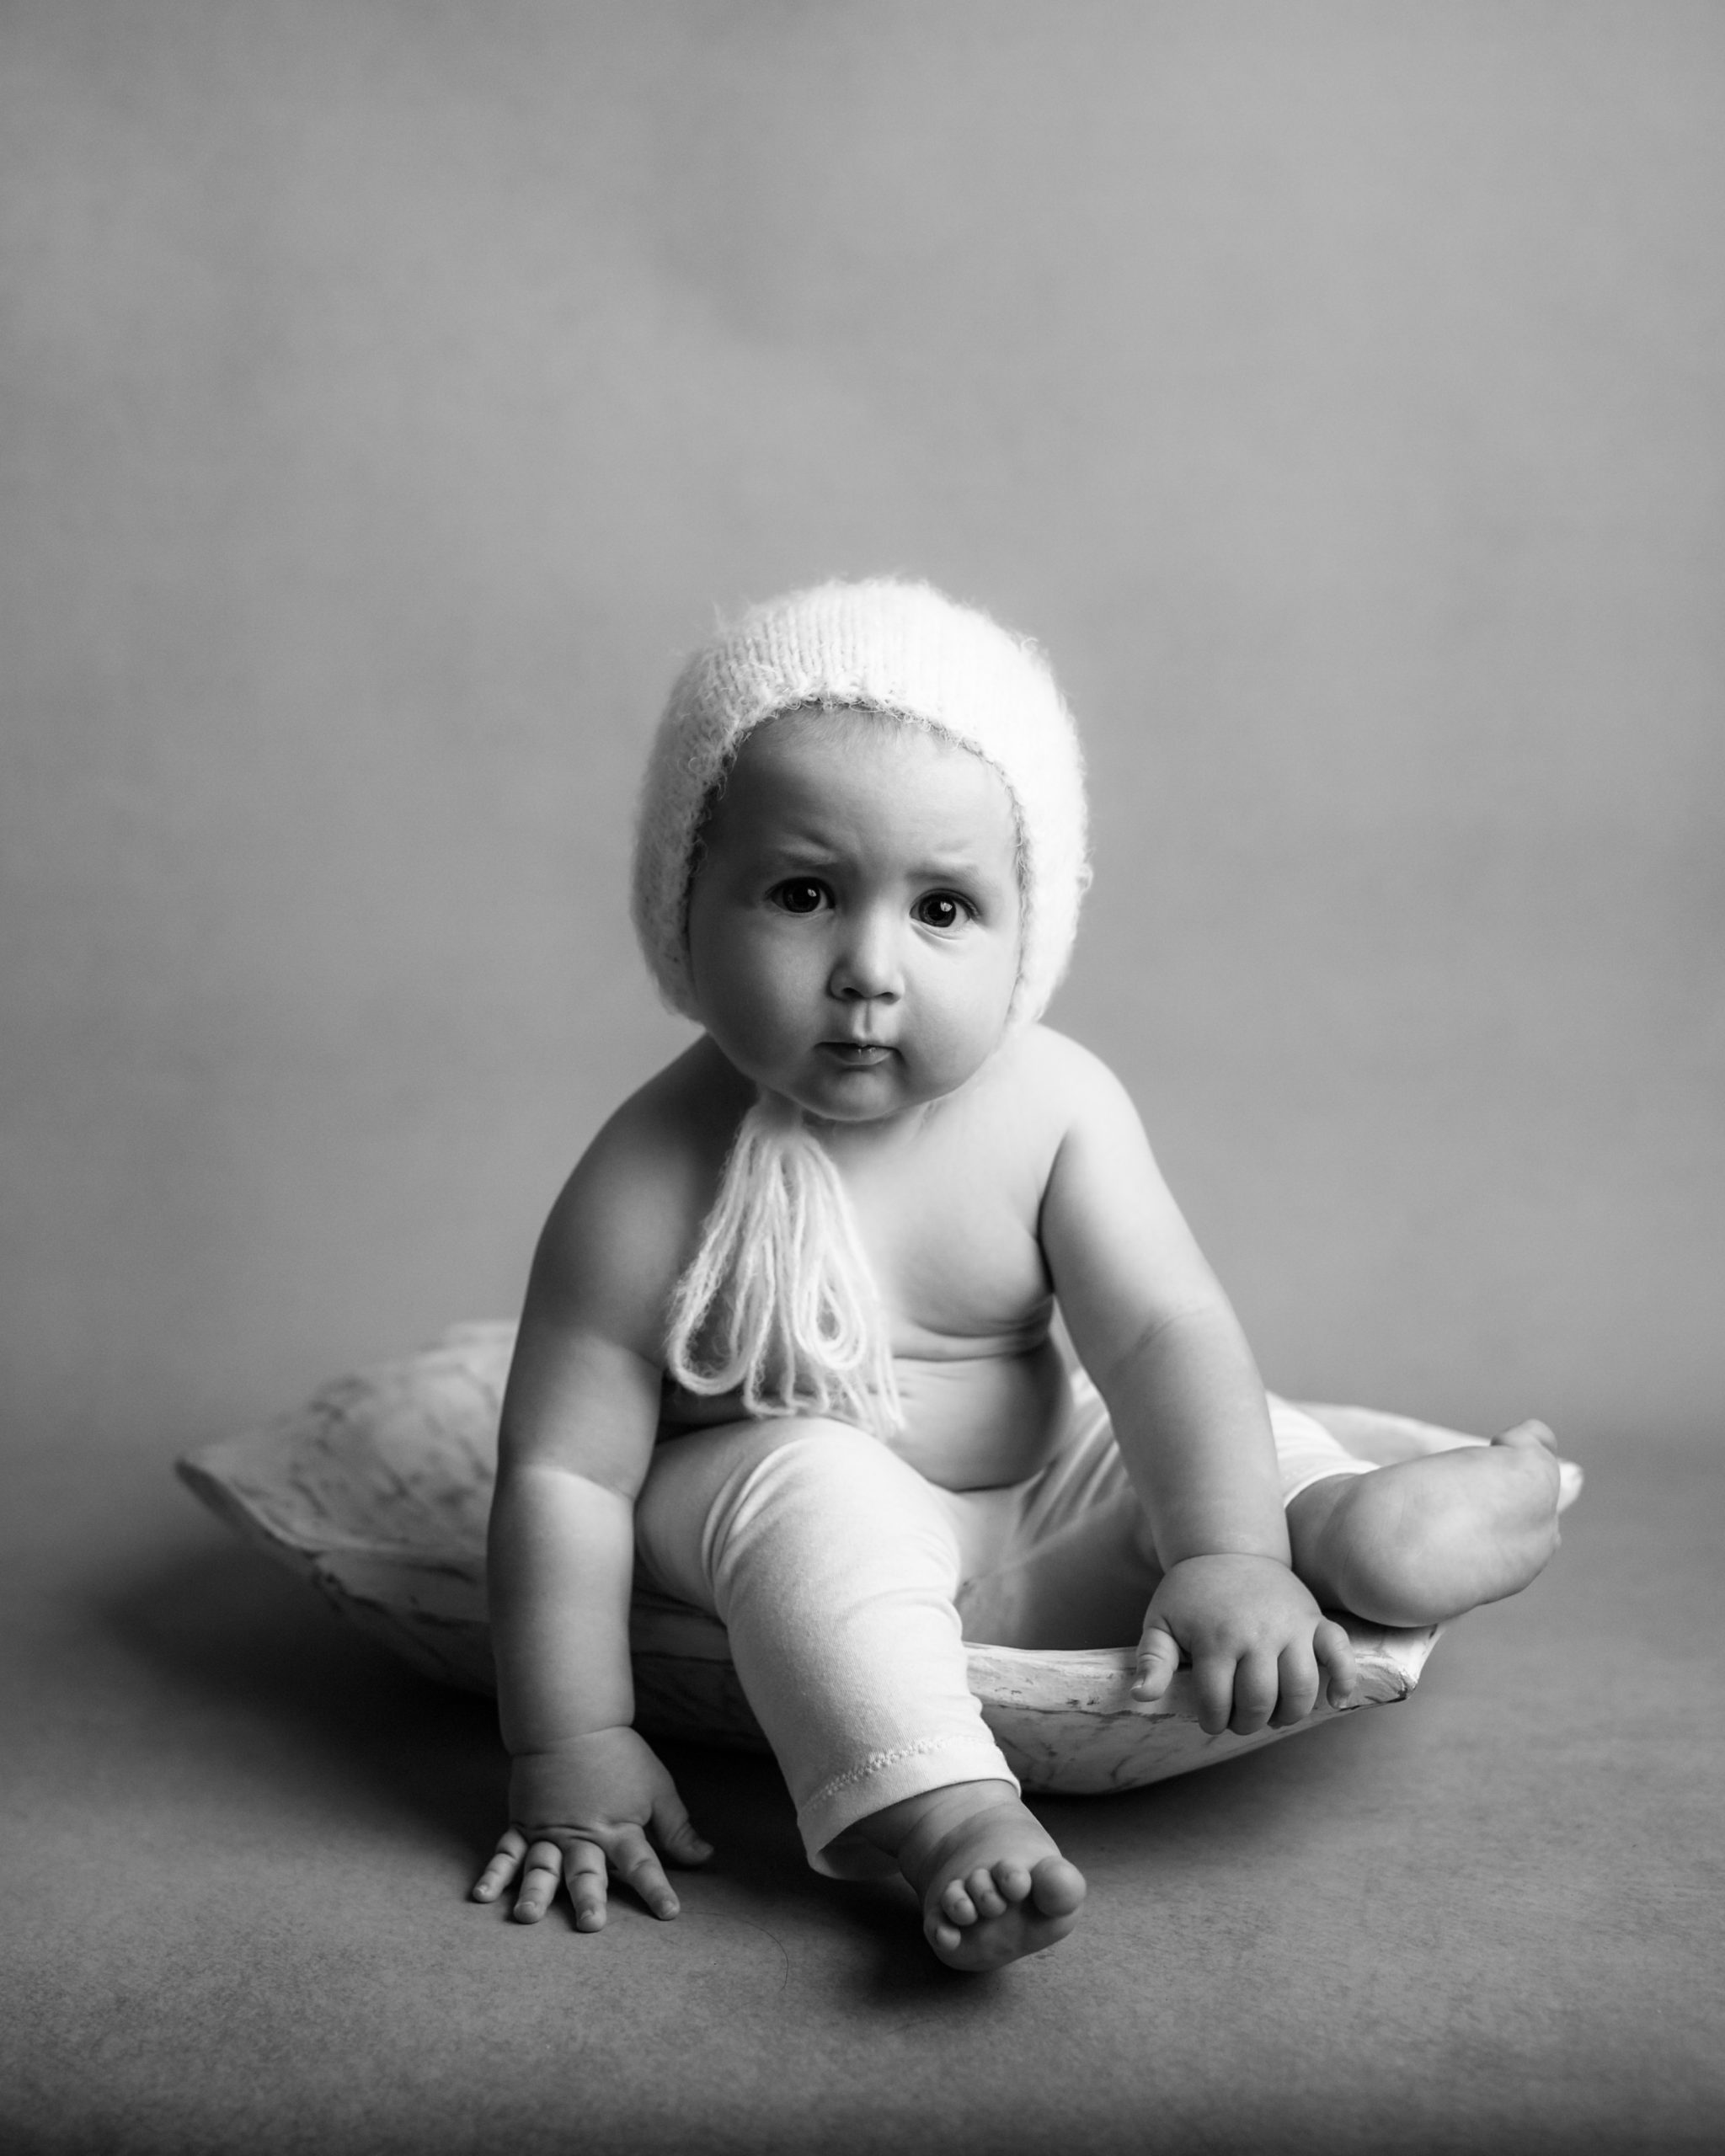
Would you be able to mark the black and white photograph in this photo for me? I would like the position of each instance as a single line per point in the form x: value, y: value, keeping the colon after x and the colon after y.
x: 862, y: 1077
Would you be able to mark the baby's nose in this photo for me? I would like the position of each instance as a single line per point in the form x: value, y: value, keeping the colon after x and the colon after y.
x: 868, y: 968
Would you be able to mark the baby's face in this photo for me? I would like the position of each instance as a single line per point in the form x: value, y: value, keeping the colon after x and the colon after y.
x: 854, y: 923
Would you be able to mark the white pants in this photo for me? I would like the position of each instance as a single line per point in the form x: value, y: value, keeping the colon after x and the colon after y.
x: 849, y: 1584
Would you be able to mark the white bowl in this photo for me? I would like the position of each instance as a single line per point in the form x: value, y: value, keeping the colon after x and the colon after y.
x: 378, y: 1490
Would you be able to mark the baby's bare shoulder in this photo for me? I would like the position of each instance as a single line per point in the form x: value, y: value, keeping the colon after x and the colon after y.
x: 1041, y: 1097
x: 624, y: 1225
x: 1062, y: 1084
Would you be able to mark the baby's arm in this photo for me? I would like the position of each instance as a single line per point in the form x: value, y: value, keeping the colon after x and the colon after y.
x: 578, y: 1422
x: 1154, y: 1329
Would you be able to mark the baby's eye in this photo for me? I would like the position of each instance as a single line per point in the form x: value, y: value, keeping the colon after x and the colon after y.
x: 801, y: 894
x: 940, y: 910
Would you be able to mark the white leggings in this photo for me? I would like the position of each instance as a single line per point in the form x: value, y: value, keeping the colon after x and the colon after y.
x: 849, y: 1584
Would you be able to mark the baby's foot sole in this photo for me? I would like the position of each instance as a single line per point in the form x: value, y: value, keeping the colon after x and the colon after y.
x: 993, y: 1886
x: 1419, y: 1542
x: 996, y: 1915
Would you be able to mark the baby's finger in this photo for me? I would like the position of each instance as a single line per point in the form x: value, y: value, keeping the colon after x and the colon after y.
x: 634, y: 1860
x: 1334, y: 1649
x: 1158, y: 1658
x: 1256, y: 1683
x: 676, y: 1833
x: 1297, y: 1667
x: 540, y: 1875
x: 584, y: 1873
x: 511, y: 1847
x: 1212, y: 1680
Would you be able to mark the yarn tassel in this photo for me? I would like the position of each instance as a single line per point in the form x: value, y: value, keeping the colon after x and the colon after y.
x: 778, y: 1301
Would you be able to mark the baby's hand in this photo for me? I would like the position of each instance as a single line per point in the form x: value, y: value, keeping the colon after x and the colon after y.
x: 1256, y: 1638
x: 584, y: 1807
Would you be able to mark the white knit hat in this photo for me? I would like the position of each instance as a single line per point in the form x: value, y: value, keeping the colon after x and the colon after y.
x: 886, y: 646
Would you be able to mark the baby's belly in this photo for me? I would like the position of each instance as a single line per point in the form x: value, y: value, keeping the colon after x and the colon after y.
x: 976, y: 1422
x: 971, y: 1422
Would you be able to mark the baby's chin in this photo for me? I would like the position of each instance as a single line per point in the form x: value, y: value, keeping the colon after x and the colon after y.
x: 875, y: 1092
x: 832, y: 1084
x: 870, y: 1093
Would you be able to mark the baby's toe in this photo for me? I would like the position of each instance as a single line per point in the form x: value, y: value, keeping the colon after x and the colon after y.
x: 1058, y: 1887
x: 1531, y: 1433
x: 1012, y: 1879
x: 982, y: 1892
x: 955, y: 1904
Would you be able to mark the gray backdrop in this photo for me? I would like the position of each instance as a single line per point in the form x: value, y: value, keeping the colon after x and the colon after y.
x: 392, y: 390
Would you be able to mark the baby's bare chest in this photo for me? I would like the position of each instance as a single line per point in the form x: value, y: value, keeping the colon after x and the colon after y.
x: 950, y: 1227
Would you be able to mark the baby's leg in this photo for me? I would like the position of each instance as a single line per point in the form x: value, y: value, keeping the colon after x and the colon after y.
x: 833, y: 1568
x: 1430, y: 1537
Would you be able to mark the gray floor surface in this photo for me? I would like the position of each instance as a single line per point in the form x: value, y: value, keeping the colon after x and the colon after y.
x: 241, y: 1837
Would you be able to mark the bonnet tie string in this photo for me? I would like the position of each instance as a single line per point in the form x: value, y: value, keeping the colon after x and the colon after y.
x: 778, y: 1303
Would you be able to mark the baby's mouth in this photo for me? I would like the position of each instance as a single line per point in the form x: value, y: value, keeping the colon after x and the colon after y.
x: 857, y: 1056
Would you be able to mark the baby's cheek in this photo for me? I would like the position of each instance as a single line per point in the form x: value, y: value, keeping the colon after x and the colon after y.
x: 956, y: 1047
x: 753, y: 985
x: 758, y: 1028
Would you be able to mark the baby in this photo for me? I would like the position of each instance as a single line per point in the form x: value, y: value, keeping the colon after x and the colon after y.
x: 787, y: 1353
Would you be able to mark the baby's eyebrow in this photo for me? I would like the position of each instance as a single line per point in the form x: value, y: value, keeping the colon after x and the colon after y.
x: 957, y: 866
x: 955, y: 863
x: 789, y: 858
x: 811, y: 851
x: 800, y: 853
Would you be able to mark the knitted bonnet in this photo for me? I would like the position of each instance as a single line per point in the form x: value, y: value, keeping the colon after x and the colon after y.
x: 883, y: 645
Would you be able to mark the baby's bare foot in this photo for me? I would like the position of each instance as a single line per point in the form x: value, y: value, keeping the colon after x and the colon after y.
x: 1424, y: 1540
x: 996, y: 1887
x: 993, y: 1884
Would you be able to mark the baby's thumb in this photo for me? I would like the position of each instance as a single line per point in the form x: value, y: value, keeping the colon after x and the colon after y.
x: 1158, y: 1658
x: 676, y: 1835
